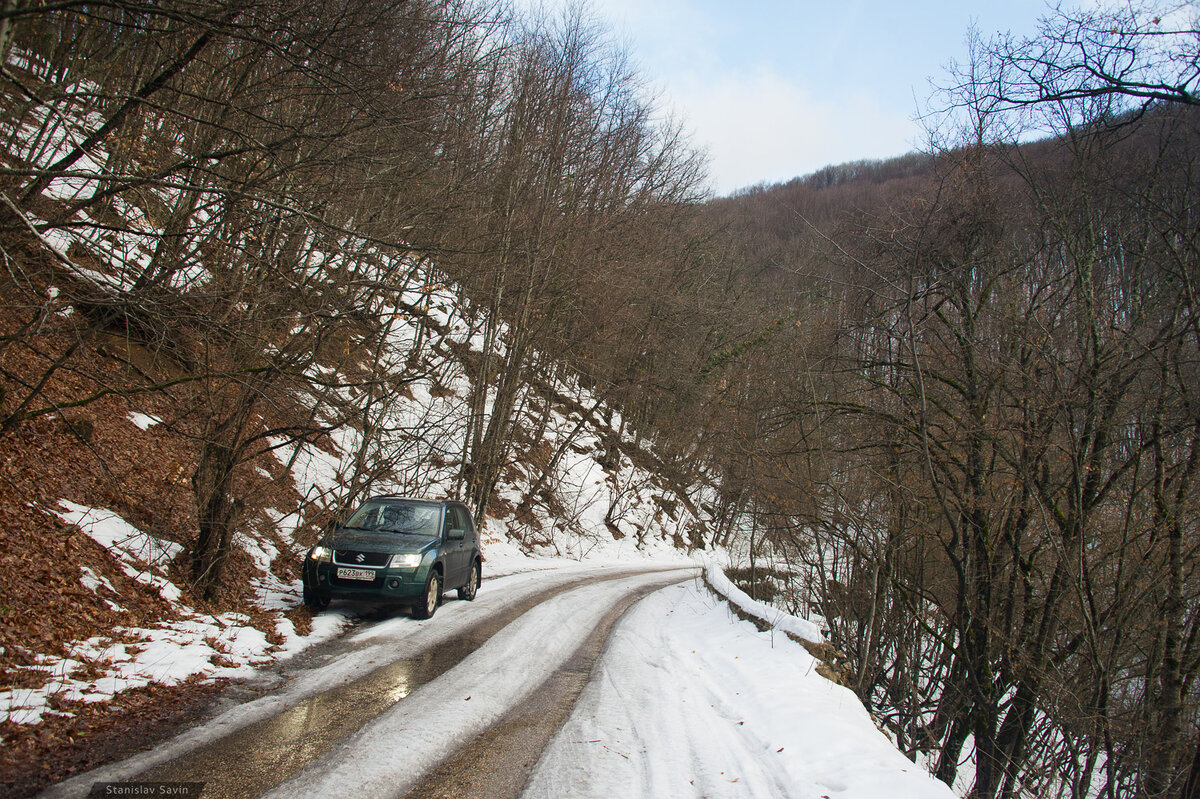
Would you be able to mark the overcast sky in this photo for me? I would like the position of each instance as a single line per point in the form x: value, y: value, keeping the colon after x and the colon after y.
x: 774, y: 89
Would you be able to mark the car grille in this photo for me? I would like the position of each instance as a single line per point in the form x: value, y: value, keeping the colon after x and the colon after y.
x: 352, y: 557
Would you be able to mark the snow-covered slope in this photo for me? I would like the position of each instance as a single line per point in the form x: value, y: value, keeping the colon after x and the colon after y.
x: 608, y: 511
x: 587, y: 502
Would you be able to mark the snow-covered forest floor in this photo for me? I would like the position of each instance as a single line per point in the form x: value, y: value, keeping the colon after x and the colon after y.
x: 590, y: 513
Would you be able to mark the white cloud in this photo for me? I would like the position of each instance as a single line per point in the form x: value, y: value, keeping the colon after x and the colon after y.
x: 764, y: 114
x: 762, y: 127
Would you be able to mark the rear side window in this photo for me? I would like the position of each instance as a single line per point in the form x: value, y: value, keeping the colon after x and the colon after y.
x: 460, y: 519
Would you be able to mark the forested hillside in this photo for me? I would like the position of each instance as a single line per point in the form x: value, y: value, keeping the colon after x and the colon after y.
x: 968, y: 430
x: 947, y: 403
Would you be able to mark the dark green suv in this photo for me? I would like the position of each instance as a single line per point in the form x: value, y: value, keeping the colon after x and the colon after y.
x: 395, y: 549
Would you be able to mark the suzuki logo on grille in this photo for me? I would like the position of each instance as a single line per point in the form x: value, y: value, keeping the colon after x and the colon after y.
x: 361, y: 558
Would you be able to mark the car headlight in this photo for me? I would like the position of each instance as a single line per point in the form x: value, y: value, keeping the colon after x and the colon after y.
x: 409, y: 560
x: 318, y: 553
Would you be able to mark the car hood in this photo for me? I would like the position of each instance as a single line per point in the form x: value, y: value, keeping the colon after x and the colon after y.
x: 367, y: 541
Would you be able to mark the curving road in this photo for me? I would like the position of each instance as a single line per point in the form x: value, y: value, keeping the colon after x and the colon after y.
x: 463, y: 703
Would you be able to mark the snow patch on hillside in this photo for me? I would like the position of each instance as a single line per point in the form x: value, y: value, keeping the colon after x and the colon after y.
x: 101, y: 667
x: 141, y: 556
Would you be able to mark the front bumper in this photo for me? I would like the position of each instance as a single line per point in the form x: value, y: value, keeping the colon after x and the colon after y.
x: 387, y: 584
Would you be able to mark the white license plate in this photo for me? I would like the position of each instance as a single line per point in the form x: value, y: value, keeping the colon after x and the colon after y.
x: 355, y: 574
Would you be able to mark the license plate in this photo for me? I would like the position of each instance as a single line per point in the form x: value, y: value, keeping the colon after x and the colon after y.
x: 355, y: 574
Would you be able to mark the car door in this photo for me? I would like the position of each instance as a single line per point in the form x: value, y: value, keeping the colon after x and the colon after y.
x: 456, y: 550
x: 470, y: 542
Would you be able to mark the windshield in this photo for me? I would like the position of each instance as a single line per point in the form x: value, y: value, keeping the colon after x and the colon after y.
x: 398, y: 516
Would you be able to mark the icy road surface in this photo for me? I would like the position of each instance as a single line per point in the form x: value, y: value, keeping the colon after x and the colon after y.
x: 521, y: 626
x: 388, y: 756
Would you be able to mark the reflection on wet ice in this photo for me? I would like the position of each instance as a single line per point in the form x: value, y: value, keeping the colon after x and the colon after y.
x: 402, y: 674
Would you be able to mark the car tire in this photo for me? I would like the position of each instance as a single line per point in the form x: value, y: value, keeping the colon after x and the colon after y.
x: 429, y: 600
x: 468, y: 591
x: 314, y: 599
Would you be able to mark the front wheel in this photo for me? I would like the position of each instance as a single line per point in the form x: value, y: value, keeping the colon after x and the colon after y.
x: 429, y: 600
x: 468, y: 591
x: 315, y: 599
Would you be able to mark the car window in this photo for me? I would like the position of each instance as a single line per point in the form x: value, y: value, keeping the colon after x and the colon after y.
x: 397, y: 516
x: 458, y: 518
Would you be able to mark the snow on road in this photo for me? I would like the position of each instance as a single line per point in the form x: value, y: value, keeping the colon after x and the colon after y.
x: 689, y: 701
x: 686, y: 701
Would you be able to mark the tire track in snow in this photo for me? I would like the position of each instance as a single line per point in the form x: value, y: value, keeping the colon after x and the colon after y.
x: 643, y: 664
x: 498, y: 763
x: 690, y: 701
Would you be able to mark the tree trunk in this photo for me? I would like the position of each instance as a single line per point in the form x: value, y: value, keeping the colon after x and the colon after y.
x: 217, y: 507
x: 216, y: 516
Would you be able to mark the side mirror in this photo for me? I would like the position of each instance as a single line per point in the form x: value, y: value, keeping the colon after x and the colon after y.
x: 456, y: 534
